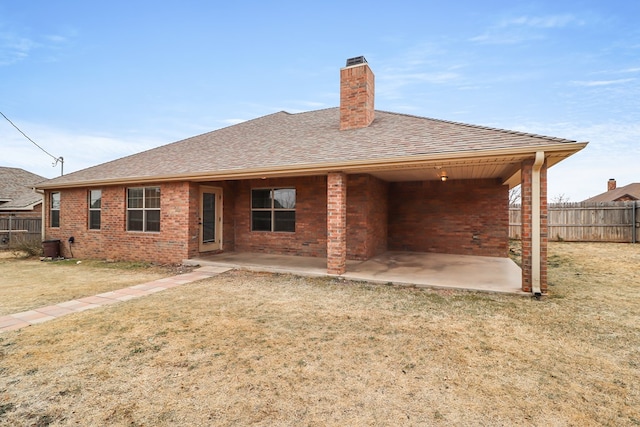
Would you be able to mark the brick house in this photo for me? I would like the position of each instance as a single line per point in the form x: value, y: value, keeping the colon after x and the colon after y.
x: 17, y: 197
x: 20, y: 206
x: 341, y: 183
x: 627, y: 193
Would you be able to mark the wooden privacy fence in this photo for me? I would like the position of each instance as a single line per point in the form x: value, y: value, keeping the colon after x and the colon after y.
x: 586, y: 222
x: 15, y: 229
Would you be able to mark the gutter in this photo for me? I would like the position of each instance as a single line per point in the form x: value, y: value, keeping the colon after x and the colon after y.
x: 535, y: 224
x: 350, y: 166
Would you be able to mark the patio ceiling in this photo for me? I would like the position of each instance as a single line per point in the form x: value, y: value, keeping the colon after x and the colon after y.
x: 505, y: 168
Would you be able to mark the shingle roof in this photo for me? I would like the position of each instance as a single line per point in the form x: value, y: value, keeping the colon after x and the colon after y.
x: 283, y: 140
x: 16, y: 186
x: 632, y: 190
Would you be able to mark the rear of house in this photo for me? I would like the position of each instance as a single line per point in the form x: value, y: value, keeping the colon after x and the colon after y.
x: 342, y: 183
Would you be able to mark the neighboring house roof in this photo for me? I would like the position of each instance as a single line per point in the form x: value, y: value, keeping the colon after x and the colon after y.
x: 312, y: 142
x: 626, y: 193
x: 16, y: 189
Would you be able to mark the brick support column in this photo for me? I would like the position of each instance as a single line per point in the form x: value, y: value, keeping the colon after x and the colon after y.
x: 336, y: 223
x: 526, y: 195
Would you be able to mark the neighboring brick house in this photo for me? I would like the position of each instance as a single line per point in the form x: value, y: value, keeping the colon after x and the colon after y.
x: 20, y: 205
x: 339, y: 183
x: 17, y: 196
x: 628, y: 193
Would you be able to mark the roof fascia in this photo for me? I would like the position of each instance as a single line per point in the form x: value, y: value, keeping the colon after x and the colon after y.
x: 323, y: 168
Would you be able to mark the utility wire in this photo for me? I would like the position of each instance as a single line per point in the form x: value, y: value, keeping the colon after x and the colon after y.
x: 56, y: 159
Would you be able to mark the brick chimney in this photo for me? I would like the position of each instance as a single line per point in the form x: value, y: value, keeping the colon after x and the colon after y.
x: 356, y: 94
x: 611, y: 184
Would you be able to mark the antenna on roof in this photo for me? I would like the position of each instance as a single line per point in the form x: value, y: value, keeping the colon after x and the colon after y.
x: 61, y: 161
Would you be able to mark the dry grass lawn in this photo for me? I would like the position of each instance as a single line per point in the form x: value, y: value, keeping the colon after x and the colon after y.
x: 277, y: 350
x: 28, y: 283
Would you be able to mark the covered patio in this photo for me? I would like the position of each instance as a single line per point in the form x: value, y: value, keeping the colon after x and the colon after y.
x: 419, y: 269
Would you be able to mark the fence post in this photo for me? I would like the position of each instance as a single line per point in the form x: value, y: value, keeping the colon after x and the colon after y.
x: 10, y: 228
x: 634, y: 222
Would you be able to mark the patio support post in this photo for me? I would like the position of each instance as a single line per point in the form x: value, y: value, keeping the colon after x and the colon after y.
x: 336, y: 223
x: 534, y: 225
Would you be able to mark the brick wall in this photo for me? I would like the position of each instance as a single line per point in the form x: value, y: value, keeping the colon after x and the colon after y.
x: 459, y: 217
x: 193, y: 220
x: 112, y: 241
x: 366, y: 216
x: 467, y: 217
x: 310, y: 237
x: 229, y: 190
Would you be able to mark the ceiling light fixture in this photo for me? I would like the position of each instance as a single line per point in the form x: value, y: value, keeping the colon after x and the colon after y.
x: 443, y: 176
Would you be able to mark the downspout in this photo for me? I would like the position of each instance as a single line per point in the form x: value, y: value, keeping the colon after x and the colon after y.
x: 535, y: 224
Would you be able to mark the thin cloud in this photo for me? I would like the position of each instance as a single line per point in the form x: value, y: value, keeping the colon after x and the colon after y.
x: 230, y: 122
x: 524, y: 28
x: 391, y: 85
x: 14, y: 48
x: 312, y: 104
x: 553, y: 21
x: 56, y: 38
x: 78, y: 150
x: 410, y: 78
x: 630, y: 70
x: 594, y: 83
x: 505, y: 37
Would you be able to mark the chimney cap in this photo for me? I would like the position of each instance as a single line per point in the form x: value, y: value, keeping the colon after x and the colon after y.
x: 356, y: 61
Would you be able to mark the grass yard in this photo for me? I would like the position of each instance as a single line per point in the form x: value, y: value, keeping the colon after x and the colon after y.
x: 277, y: 350
x: 28, y: 283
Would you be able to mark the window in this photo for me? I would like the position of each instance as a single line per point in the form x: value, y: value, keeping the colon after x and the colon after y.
x: 143, y: 209
x: 55, y: 209
x: 95, y: 206
x: 273, y: 209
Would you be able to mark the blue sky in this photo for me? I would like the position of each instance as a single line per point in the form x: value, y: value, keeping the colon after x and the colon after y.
x: 95, y: 81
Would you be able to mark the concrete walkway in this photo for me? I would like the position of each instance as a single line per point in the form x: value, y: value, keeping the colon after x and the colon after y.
x: 12, y: 322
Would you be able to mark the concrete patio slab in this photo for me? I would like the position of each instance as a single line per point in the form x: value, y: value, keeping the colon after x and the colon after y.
x: 466, y: 272
x: 475, y: 273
